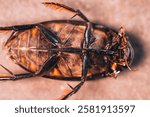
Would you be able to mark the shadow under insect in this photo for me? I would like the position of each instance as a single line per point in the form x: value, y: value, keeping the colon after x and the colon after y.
x: 138, y: 49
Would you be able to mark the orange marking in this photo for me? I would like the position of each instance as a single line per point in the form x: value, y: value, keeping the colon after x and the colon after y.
x: 34, y: 32
x: 33, y: 67
x: 22, y: 60
x: 114, y: 66
x: 56, y: 72
x: 124, y: 41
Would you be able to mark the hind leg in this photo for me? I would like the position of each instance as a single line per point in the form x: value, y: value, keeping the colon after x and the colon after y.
x: 13, y: 76
x: 48, y: 65
x: 58, y: 6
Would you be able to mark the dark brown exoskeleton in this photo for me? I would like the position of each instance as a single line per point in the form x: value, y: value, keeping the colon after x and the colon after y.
x: 67, y: 49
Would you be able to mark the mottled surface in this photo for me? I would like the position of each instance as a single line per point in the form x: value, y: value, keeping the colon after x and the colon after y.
x: 133, y: 15
x: 27, y: 48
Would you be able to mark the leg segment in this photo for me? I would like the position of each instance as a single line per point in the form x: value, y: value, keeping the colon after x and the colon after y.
x: 48, y: 65
x: 89, y: 37
x: 58, y: 6
x: 18, y: 28
x: 13, y: 76
x: 50, y: 36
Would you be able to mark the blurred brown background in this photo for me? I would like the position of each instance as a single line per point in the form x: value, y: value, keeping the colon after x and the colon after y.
x: 133, y: 15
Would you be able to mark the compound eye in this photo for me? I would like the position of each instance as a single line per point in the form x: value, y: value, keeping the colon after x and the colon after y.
x: 130, y: 53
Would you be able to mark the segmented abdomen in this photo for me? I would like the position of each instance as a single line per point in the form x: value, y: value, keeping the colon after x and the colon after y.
x: 29, y: 49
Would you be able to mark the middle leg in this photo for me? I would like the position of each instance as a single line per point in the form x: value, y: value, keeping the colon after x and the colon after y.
x: 83, y: 78
x: 87, y: 41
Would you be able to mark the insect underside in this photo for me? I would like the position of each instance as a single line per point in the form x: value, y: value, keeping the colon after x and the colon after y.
x: 67, y: 50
